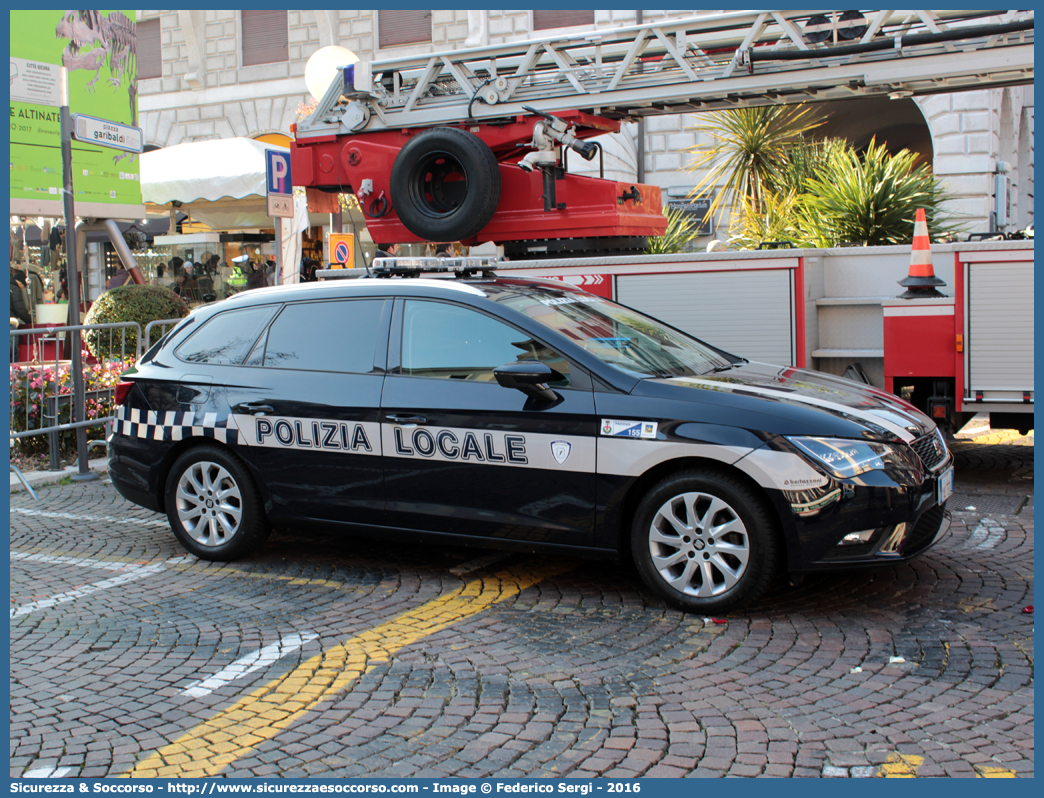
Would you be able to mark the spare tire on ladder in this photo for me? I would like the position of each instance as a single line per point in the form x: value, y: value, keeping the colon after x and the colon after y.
x: 445, y: 184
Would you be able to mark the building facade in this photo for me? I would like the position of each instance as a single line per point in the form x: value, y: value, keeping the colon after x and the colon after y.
x: 207, y: 74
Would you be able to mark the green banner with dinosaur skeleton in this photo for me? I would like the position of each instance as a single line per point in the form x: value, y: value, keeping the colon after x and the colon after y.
x: 98, y: 49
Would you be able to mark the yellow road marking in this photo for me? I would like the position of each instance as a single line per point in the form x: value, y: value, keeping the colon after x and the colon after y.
x: 294, y: 580
x: 992, y: 772
x: 264, y: 713
x: 900, y: 766
x: 970, y: 604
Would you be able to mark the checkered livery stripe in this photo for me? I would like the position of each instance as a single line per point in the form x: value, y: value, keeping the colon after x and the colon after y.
x: 174, y: 425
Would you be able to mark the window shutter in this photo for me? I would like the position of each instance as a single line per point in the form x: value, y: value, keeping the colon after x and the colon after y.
x: 147, y: 47
x: 264, y: 37
x: 403, y: 27
x: 547, y: 18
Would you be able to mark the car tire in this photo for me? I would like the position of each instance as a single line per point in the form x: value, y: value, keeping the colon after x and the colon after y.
x: 705, y: 542
x: 445, y: 184
x: 214, y: 506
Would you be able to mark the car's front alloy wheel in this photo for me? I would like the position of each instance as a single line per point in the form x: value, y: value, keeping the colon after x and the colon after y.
x: 704, y: 542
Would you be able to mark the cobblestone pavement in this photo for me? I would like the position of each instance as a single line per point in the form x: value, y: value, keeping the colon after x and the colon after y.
x: 329, y: 656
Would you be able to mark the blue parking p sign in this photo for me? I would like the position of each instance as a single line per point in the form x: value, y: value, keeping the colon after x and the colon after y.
x: 279, y: 180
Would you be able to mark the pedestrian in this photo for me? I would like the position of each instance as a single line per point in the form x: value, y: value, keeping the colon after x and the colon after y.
x: 206, y: 282
x: 188, y: 284
x: 176, y: 272
x: 19, y: 298
x: 443, y: 251
x: 211, y: 265
x: 34, y: 277
x: 224, y: 274
x: 257, y: 277
x: 386, y: 251
x: 63, y: 283
x: 237, y: 279
x: 120, y: 278
x: 56, y: 241
x: 161, y: 277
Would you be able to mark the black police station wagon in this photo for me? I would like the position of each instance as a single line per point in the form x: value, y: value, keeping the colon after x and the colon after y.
x: 520, y: 414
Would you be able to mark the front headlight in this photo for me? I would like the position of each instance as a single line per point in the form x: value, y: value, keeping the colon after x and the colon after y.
x: 844, y: 458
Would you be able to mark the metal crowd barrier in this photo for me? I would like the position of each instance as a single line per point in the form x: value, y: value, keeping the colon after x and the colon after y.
x: 42, y: 382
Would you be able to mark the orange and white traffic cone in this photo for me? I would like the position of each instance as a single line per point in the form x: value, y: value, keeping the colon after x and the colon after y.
x: 921, y: 280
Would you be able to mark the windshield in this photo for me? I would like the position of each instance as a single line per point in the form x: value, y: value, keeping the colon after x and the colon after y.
x: 618, y: 336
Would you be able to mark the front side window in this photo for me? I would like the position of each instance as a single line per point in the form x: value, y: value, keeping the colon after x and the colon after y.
x: 336, y: 336
x: 225, y: 338
x: 621, y: 337
x: 457, y: 343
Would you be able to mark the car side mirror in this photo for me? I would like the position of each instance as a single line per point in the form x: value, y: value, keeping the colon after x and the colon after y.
x: 529, y: 376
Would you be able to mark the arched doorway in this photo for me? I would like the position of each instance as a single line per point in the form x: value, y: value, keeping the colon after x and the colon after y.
x: 274, y: 138
x: 898, y: 123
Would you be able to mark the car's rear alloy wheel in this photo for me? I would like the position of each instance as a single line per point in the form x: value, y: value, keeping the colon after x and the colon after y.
x: 213, y: 505
x: 704, y: 542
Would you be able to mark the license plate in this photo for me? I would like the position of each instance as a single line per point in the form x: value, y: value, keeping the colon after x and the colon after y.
x: 945, y: 485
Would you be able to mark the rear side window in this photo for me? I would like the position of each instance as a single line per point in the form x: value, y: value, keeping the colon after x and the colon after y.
x: 324, y: 336
x: 225, y: 339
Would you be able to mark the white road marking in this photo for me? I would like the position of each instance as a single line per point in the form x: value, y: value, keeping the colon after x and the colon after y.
x: 478, y: 562
x: 131, y: 573
x: 248, y: 664
x: 46, y: 773
x: 986, y: 535
x: 106, y: 519
x: 83, y: 562
x: 858, y: 772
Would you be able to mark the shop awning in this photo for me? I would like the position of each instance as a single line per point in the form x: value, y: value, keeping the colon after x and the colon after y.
x: 220, y: 182
x: 205, y: 170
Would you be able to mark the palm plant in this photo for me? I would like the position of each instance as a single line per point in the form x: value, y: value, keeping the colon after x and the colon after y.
x: 812, y: 193
x: 748, y: 152
x: 805, y: 160
x: 681, y: 229
x: 784, y: 214
x: 781, y: 217
x: 871, y: 199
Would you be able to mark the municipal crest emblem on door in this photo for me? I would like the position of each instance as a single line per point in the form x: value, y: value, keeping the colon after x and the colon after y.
x: 560, y: 451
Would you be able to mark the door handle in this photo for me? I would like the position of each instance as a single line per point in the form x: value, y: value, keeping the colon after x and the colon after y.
x: 407, y: 421
x: 253, y: 408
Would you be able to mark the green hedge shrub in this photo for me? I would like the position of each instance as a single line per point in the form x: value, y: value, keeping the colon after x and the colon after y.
x: 140, y: 303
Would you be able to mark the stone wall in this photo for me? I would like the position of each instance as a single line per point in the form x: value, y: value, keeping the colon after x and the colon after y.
x: 971, y: 132
x: 205, y: 93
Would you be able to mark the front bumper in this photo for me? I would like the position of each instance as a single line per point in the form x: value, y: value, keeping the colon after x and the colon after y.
x: 890, y: 544
x: 872, y: 521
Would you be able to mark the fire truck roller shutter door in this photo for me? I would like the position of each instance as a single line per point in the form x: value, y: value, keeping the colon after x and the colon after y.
x: 445, y: 184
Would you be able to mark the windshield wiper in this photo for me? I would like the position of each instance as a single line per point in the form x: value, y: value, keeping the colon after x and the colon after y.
x: 727, y: 367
